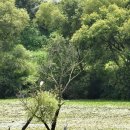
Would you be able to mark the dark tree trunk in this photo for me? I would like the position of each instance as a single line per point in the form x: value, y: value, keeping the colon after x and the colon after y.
x: 53, y: 126
x: 27, y: 123
x: 47, y: 127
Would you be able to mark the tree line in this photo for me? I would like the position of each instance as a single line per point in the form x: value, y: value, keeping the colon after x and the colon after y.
x: 85, y: 41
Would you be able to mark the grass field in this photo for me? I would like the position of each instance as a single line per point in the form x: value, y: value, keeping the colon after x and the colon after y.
x: 77, y: 114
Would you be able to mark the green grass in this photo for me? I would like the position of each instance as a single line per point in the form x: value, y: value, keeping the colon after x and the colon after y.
x: 98, y: 102
x: 78, y: 114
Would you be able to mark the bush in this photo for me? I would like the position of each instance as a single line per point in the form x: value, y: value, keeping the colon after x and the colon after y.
x: 42, y: 106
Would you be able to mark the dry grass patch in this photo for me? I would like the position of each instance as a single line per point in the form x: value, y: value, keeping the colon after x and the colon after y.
x: 78, y: 115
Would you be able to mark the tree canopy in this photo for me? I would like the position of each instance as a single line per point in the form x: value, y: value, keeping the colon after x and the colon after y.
x: 57, y: 40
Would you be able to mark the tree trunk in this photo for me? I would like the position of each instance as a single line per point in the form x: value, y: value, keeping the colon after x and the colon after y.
x: 27, y: 123
x: 46, y: 125
x: 53, y: 126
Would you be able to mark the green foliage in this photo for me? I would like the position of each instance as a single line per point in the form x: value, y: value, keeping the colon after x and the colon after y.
x: 111, y: 66
x: 13, y: 18
x: 49, y: 17
x: 90, y: 6
x: 30, y: 5
x: 12, y: 22
x: 73, y: 11
x: 15, y: 67
x: 32, y: 39
x: 63, y: 39
x: 43, y: 106
x: 104, y: 26
x: 78, y: 39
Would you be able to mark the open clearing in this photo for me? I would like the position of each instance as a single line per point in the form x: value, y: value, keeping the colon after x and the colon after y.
x: 78, y: 115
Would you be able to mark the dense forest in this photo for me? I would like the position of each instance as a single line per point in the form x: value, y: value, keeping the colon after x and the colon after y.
x: 85, y: 41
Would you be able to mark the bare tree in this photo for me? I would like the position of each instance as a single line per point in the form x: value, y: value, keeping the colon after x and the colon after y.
x: 59, y: 68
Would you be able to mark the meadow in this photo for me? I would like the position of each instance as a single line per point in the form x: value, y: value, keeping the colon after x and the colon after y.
x: 76, y: 114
